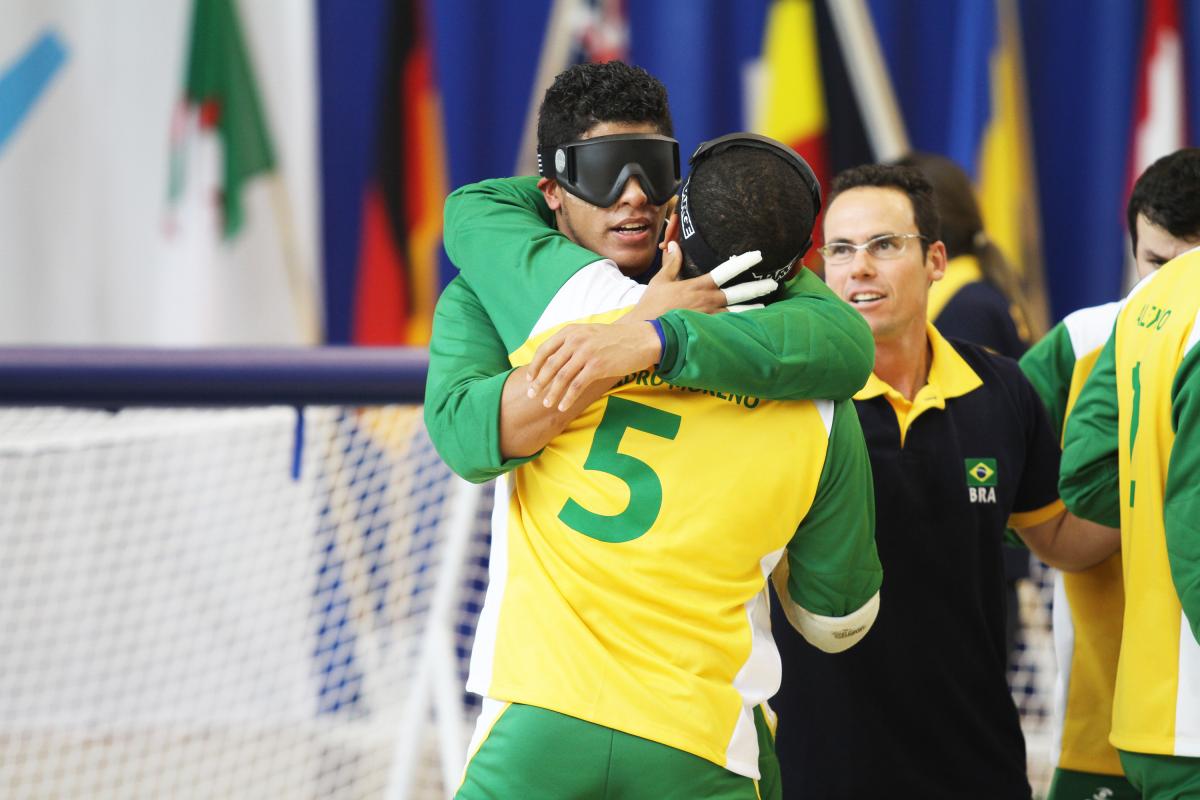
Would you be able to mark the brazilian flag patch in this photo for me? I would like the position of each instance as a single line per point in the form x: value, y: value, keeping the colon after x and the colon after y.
x: 981, y: 471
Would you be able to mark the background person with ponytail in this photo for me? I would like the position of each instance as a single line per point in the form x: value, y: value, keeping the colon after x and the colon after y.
x: 980, y: 299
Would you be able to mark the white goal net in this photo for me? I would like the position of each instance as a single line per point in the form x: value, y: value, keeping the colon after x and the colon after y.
x: 260, y: 603
x: 246, y: 603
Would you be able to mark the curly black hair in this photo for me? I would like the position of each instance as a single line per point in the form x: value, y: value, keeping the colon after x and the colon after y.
x: 1168, y: 195
x: 586, y: 94
x: 746, y: 198
x: 907, y: 180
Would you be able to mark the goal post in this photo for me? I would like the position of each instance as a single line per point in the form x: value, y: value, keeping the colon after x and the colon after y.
x: 231, y: 573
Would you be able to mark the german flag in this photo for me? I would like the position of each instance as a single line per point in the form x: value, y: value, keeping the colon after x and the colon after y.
x: 398, y: 283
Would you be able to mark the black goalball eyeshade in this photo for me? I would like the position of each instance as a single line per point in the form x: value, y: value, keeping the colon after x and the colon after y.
x: 596, y: 170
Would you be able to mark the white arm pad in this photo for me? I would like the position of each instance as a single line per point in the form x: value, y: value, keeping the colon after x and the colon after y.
x: 830, y: 634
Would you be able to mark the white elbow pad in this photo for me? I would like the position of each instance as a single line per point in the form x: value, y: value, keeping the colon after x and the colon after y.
x: 833, y: 634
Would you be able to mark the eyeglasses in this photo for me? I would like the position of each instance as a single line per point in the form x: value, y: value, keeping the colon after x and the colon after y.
x: 888, y: 247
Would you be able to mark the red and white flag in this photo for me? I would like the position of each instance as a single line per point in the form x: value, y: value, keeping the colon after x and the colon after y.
x: 577, y: 31
x: 1160, y: 102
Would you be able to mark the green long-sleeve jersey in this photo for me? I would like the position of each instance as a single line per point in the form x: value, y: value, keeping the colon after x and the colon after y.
x: 514, y: 263
x: 501, y: 236
x: 1131, y: 456
x: 629, y: 560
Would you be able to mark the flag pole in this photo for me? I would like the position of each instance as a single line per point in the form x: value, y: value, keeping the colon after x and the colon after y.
x: 556, y: 48
x: 300, y: 282
x: 869, y: 77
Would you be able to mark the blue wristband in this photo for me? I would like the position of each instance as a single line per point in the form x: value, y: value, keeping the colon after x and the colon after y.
x: 662, y: 339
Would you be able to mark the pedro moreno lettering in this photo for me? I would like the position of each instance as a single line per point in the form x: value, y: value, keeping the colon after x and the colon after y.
x: 650, y: 377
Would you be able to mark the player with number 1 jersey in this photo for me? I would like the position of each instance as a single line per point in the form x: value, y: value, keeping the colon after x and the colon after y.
x: 1130, y: 455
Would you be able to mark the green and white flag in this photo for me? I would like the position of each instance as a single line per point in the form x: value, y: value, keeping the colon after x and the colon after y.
x: 123, y: 218
x: 228, y: 201
x: 221, y: 93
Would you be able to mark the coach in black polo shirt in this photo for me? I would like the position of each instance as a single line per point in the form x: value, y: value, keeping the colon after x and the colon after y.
x: 960, y: 448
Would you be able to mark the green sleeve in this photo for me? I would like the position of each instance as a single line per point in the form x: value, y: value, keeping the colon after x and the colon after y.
x: 1049, y: 365
x: 1088, y: 481
x: 468, y: 366
x: 1181, y: 504
x: 501, y: 237
x: 809, y: 344
x: 832, y: 560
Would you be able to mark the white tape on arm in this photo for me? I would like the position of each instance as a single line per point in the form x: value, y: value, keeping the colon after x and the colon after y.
x: 830, y: 634
x: 735, y: 266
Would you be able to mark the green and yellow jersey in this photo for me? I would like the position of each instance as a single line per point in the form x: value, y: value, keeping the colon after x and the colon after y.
x: 1087, y: 605
x: 629, y: 558
x: 1131, y: 457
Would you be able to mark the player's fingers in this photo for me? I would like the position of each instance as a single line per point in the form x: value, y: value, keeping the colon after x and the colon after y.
x: 672, y: 261
x: 562, y: 379
x: 671, y: 229
x: 735, y: 266
x: 574, y: 388
x: 748, y: 291
x: 743, y: 307
x: 541, y: 367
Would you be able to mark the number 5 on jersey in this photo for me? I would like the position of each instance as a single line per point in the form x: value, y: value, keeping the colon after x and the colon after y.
x: 645, y: 487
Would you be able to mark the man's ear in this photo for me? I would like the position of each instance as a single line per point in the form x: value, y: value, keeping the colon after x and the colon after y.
x: 935, y: 261
x: 552, y: 192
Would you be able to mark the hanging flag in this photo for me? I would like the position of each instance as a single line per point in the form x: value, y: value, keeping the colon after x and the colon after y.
x: 89, y: 260
x: 220, y: 95
x: 238, y: 268
x: 836, y: 113
x: 792, y: 107
x: 398, y: 274
x: 1005, y: 177
x: 600, y: 32
x: 788, y: 95
x: 577, y: 32
x: 1160, y: 102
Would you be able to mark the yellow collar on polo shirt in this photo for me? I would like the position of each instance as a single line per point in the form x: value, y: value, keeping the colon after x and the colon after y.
x: 949, y: 376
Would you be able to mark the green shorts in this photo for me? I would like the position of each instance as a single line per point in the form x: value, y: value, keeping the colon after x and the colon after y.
x: 536, y: 754
x: 1071, y: 785
x: 1162, y: 777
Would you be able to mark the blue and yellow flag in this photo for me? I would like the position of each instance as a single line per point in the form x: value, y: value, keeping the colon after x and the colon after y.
x: 988, y: 135
x: 961, y: 86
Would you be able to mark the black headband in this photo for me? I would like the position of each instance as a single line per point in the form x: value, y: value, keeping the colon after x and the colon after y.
x: 693, y: 242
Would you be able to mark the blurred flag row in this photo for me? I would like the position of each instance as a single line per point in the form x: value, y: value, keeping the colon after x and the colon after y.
x: 272, y: 171
x: 142, y: 194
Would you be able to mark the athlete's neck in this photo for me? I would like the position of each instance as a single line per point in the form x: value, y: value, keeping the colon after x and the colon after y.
x: 902, y: 361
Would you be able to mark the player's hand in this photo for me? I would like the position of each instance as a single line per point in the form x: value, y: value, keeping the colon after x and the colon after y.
x: 666, y: 292
x: 579, y: 355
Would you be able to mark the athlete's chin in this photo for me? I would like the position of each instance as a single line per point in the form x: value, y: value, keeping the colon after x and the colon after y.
x: 634, y: 260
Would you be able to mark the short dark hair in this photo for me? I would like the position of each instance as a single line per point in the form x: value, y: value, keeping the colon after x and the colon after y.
x: 746, y: 198
x: 586, y: 94
x: 1168, y: 195
x: 907, y: 180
